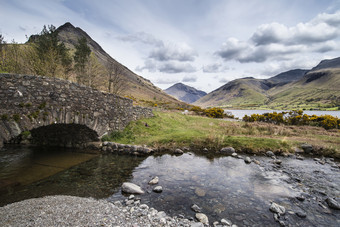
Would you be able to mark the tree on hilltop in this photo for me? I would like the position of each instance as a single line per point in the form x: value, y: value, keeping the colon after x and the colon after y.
x: 49, y: 56
x: 81, y: 58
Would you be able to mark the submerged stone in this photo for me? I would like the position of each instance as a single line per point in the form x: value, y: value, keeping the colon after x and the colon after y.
x: 332, y: 203
x: 154, y: 180
x: 276, y: 208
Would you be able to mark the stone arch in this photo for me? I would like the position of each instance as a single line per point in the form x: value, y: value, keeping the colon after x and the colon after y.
x: 28, y: 102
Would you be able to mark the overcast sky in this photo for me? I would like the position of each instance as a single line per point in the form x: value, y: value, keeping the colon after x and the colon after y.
x: 202, y: 43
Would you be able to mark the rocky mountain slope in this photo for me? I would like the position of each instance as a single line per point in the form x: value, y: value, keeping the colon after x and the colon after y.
x: 185, y: 93
x: 305, y: 89
x: 139, y: 88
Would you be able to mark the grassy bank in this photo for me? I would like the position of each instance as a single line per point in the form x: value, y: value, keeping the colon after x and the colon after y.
x: 172, y: 130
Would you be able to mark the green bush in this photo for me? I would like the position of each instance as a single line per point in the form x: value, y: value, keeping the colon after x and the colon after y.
x: 16, y: 117
x: 4, y: 117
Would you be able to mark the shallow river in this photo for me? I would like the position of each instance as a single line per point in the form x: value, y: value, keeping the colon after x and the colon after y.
x: 224, y: 187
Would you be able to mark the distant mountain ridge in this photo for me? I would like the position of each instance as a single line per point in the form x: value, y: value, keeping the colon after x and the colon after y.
x: 298, y: 88
x: 185, y: 93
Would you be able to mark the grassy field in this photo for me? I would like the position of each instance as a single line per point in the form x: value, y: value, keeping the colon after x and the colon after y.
x: 171, y: 130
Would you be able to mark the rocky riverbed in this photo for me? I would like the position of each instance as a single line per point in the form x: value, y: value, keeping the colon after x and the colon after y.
x: 77, y: 211
x: 224, y: 189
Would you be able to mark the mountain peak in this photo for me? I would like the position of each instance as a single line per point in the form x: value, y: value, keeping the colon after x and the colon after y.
x: 328, y: 63
x: 67, y: 25
x: 184, y: 92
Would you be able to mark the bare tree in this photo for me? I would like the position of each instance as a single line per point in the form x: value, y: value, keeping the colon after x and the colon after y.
x: 117, y: 83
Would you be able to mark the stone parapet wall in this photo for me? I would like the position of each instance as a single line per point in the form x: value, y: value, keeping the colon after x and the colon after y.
x: 28, y: 102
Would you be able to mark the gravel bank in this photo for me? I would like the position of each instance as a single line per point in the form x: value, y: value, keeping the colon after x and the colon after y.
x: 76, y: 211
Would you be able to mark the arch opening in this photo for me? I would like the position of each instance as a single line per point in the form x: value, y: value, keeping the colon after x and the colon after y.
x: 63, y: 135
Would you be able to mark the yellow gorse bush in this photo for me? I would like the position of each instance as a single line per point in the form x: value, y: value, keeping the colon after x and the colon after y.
x: 295, y: 117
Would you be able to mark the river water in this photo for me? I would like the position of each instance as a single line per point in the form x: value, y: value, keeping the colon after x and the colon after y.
x: 241, y: 113
x: 224, y: 187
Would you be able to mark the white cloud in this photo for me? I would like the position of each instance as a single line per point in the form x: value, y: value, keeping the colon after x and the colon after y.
x: 275, y: 42
x: 178, y: 52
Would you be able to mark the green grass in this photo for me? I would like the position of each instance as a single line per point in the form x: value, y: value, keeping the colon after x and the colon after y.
x: 171, y: 130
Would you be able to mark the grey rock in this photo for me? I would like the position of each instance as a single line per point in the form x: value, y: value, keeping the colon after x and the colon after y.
x: 131, y: 197
x: 144, y: 206
x: 154, y: 181
x: 196, y: 208
x: 270, y: 153
x: 282, y: 223
x: 205, y: 150
x: 301, y: 214
x: 227, y: 150
x: 278, y: 161
x: 161, y: 214
x: 299, y: 157
x: 307, y: 148
x: 332, y: 203
x: 157, y: 189
x: 226, y: 222
x: 131, y: 188
x: 234, y: 155
x: 276, y: 208
x: 247, y: 160
x: 178, y: 151
x: 197, y: 224
x: 300, y: 198
x: 202, y: 218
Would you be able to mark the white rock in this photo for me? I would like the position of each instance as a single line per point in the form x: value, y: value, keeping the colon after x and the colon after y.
x: 154, y: 180
x: 247, y: 160
x: 276, y: 208
x: 131, y: 188
x: 158, y: 189
x: 202, y: 218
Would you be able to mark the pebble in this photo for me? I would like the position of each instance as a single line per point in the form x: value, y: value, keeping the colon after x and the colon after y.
x: 301, y: 214
x: 226, y: 222
x: 276, y: 208
x: 158, y: 189
x: 154, y: 181
x: 77, y: 211
x: 196, y: 208
x: 332, y: 203
x: 178, y: 151
x: 247, y: 160
x: 270, y: 153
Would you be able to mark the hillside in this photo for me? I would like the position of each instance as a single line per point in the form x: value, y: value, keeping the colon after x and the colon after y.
x: 141, y: 90
x: 318, y: 88
x: 185, y: 93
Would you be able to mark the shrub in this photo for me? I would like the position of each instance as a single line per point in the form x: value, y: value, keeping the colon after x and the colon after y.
x: 16, y: 117
x: 295, y: 118
x: 4, y: 117
x: 214, y: 112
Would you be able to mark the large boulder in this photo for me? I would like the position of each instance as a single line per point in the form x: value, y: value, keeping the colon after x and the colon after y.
x: 131, y: 188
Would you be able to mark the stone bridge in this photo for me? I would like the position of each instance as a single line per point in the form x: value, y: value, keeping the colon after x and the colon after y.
x: 59, y: 112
